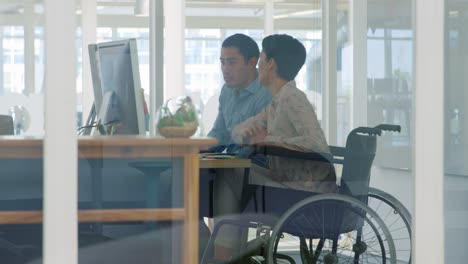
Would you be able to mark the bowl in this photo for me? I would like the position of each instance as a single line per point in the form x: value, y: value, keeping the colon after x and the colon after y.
x: 177, y: 118
x: 186, y: 130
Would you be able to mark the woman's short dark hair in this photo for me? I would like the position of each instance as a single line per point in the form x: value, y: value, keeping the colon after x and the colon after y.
x: 288, y: 52
x: 246, y: 45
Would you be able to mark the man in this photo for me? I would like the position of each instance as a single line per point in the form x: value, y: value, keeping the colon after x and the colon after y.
x: 242, y: 96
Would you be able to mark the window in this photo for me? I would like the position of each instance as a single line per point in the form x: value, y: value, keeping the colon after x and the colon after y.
x: 13, y: 59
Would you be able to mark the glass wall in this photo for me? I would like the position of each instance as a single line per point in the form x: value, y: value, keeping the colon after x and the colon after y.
x: 21, y: 98
x: 22, y: 66
x: 125, y: 183
x: 203, y: 75
x: 455, y: 131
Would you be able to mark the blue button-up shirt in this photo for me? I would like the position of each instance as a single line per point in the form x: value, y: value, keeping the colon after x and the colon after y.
x: 235, y: 106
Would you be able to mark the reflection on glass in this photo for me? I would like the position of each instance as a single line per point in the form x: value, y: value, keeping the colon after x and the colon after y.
x: 21, y: 118
x: 455, y: 131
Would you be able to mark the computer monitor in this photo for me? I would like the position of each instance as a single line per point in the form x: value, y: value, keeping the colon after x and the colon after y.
x: 118, y: 98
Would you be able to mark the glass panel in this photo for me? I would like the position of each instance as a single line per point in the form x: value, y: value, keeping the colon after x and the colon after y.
x: 22, y: 83
x: 143, y: 180
x: 390, y: 74
x: 344, y: 73
x: 302, y: 20
x: 21, y: 114
x: 388, y: 62
x: 389, y: 101
x: 455, y: 131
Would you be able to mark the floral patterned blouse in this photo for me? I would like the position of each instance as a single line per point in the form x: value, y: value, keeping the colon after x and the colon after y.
x: 290, y: 121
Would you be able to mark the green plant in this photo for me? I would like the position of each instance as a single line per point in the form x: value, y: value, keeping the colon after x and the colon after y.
x: 183, y: 115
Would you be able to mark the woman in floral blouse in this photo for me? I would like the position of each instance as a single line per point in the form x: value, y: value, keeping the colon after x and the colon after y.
x: 288, y: 121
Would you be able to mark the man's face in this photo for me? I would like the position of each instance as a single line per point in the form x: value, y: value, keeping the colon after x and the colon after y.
x: 236, y: 71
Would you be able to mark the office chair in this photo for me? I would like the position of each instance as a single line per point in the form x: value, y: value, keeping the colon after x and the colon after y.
x: 6, y: 125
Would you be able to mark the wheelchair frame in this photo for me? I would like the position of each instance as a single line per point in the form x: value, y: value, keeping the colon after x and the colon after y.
x: 353, y: 198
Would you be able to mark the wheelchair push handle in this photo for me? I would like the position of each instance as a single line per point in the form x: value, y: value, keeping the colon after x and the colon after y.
x: 376, y: 131
x: 388, y: 127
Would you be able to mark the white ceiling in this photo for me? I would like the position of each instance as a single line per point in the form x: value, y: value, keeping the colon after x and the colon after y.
x: 396, y: 13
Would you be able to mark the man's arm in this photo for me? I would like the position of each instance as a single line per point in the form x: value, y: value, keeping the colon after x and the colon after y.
x: 219, y: 130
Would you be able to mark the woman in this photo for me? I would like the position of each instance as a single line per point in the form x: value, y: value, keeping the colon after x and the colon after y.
x: 288, y: 121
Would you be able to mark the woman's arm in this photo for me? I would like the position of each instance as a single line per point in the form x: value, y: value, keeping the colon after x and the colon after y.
x: 252, y: 130
x: 310, y: 136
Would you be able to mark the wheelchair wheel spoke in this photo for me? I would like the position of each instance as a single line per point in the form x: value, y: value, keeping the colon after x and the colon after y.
x: 364, y: 238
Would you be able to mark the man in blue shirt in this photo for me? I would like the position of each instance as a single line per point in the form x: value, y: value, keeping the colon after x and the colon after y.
x: 241, y: 96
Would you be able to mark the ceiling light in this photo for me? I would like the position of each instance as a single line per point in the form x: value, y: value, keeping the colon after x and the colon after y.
x: 255, y: 1
x: 299, y: 13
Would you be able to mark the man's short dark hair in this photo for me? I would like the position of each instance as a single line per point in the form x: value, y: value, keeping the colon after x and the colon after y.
x: 248, y: 48
x: 288, y: 52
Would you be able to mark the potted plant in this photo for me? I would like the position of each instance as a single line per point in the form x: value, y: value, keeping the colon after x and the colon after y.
x: 177, y: 118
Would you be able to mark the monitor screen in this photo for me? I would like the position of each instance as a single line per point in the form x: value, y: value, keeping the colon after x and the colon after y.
x: 118, y: 97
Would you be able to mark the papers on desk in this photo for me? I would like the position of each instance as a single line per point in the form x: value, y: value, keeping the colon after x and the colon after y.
x: 217, y: 156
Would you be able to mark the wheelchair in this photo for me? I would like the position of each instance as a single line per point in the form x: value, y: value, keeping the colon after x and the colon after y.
x: 358, y: 224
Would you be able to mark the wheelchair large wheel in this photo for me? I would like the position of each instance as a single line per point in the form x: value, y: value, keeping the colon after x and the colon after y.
x: 331, y: 228
x: 397, y: 219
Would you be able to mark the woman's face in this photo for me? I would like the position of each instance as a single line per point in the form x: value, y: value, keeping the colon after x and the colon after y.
x: 263, y: 69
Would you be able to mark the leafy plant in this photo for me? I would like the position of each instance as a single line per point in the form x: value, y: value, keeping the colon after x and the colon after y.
x: 183, y: 115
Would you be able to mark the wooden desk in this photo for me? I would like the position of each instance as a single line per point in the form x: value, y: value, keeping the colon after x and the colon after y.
x: 124, y: 147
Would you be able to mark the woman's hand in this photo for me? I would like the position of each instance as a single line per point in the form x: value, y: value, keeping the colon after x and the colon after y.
x: 253, y: 134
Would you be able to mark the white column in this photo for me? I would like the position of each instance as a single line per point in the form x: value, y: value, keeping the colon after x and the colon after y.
x: 174, y: 48
x: 60, y: 144
x: 358, y: 35
x: 269, y: 22
x: 428, y: 221
x: 29, y: 48
x: 88, y: 30
x: 329, y: 117
x: 156, y: 60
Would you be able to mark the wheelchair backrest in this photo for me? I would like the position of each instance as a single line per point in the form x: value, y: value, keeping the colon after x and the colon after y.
x: 358, y: 157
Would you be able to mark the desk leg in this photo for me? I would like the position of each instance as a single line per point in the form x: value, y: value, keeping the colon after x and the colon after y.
x: 153, y: 196
x: 191, y: 190
x: 152, y: 190
x: 152, y: 171
x: 96, y: 179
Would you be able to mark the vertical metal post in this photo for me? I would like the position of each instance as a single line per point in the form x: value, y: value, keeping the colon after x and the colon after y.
x: 269, y: 22
x: 29, y: 49
x: 174, y: 47
x: 329, y: 117
x: 88, y: 34
x: 60, y: 163
x: 428, y: 135
x: 156, y: 60
x: 359, y: 40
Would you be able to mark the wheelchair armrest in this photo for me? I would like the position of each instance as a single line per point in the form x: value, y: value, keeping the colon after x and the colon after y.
x: 289, y: 153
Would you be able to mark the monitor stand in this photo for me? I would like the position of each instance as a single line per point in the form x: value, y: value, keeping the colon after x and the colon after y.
x: 109, y: 113
x: 89, y: 122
